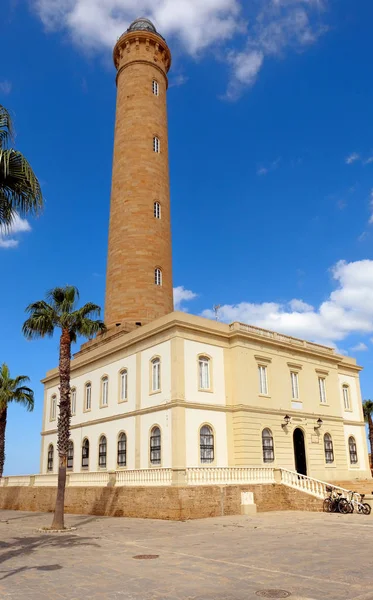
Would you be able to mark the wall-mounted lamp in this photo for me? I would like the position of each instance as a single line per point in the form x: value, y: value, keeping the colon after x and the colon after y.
x: 319, y: 423
x: 287, y: 420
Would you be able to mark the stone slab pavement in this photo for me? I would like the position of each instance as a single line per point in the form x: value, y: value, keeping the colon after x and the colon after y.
x: 313, y: 556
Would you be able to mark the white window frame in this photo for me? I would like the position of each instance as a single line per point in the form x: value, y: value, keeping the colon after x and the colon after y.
x: 123, y: 382
x: 105, y: 391
x: 204, y: 373
x: 73, y: 401
x: 294, y: 385
x: 53, y: 414
x: 346, y: 397
x: 157, y: 210
x: 156, y: 144
x: 155, y: 87
x: 263, y: 380
x: 156, y: 374
x: 322, y: 390
x: 88, y: 396
x: 158, y: 277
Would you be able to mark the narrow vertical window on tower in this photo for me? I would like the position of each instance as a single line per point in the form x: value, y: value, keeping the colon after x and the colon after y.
x: 155, y: 88
x: 157, y: 210
x: 156, y: 144
x: 158, y: 276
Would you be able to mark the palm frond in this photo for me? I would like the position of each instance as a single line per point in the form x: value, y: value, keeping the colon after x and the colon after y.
x: 40, y: 324
x: 11, y: 390
x: 63, y: 299
x: 6, y: 127
x: 368, y: 409
x: 89, y: 328
x: 24, y: 396
x: 89, y: 311
x: 19, y: 185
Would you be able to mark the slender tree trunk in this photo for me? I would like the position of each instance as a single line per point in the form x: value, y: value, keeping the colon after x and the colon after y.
x: 2, y: 440
x: 63, y: 427
x: 370, y: 425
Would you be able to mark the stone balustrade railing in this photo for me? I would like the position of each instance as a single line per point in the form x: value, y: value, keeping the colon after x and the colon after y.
x: 315, y: 487
x: 280, y: 337
x: 144, y: 477
x: 229, y: 475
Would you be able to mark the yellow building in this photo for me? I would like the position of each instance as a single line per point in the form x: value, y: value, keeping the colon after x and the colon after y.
x: 173, y: 398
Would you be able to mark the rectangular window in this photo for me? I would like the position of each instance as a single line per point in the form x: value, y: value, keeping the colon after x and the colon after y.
x: 73, y: 401
x: 105, y: 391
x: 263, y: 384
x: 88, y: 396
x: 155, y: 88
x: 53, y: 407
x: 346, y: 397
x: 204, y: 374
x: 322, y: 390
x: 294, y: 385
x: 156, y: 145
x: 156, y: 375
x: 123, y: 386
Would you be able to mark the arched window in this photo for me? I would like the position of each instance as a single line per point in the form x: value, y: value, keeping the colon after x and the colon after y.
x: 157, y: 210
x: 352, y: 449
x: 104, y: 391
x: 88, y: 396
x: 102, y: 452
x: 155, y: 88
x: 204, y: 372
x: 328, y: 448
x: 73, y: 401
x: 50, y: 458
x: 123, y: 385
x: 85, y: 454
x: 156, y: 144
x: 206, y: 444
x: 156, y: 374
x: 70, y: 455
x: 268, y: 446
x: 53, y: 407
x: 122, y: 450
x: 346, y: 397
x: 158, y: 276
x: 155, y: 446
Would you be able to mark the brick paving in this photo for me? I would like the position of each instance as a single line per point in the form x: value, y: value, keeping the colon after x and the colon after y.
x: 314, y: 556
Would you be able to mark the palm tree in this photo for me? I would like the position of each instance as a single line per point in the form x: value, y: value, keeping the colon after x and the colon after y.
x: 368, y: 415
x: 11, y: 390
x: 20, y: 191
x: 59, y: 311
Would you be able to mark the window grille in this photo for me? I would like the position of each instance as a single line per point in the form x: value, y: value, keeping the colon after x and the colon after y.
x: 157, y: 210
x: 268, y: 446
x: 102, y: 452
x: 155, y: 446
x: 156, y: 145
x: 122, y: 450
x: 70, y: 455
x: 352, y: 449
x: 85, y: 454
x: 155, y: 88
x: 206, y: 444
x: 328, y: 448
x: 158, y: 277
x: 50, y: 458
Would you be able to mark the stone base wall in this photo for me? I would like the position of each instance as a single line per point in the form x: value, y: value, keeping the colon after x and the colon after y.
x: 171, y: 503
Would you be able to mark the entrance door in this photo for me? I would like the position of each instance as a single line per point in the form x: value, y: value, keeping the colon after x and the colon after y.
x: 299, y: 452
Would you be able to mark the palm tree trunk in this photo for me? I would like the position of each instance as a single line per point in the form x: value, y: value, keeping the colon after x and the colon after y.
x: 370, y: 425
x: 2, y: 440
x: 63, y: 426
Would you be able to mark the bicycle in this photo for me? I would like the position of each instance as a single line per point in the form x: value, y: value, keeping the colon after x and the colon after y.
x: 335, y: 502
x: 356, y: 501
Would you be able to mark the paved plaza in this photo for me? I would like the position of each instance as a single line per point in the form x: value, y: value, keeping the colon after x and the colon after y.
x: 313, y: 556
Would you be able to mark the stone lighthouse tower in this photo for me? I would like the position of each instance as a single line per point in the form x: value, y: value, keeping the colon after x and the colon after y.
x: 139, y: 268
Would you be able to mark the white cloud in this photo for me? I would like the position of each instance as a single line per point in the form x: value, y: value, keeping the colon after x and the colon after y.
x: 5, y: 87
x: 352, y: 158
x: 361, y: 347
x: 368, y: 161
x: 348, y: 309
x: 182, y: 295
x: 272, y: 167
x: 178, y: 80
x: 195, y: 25
x: 7, y: 233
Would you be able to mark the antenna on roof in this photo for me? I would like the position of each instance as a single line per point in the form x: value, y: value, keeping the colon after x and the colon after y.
x: 216, y: 311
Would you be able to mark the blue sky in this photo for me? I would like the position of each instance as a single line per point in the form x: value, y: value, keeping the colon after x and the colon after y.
x: 270, y: 125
